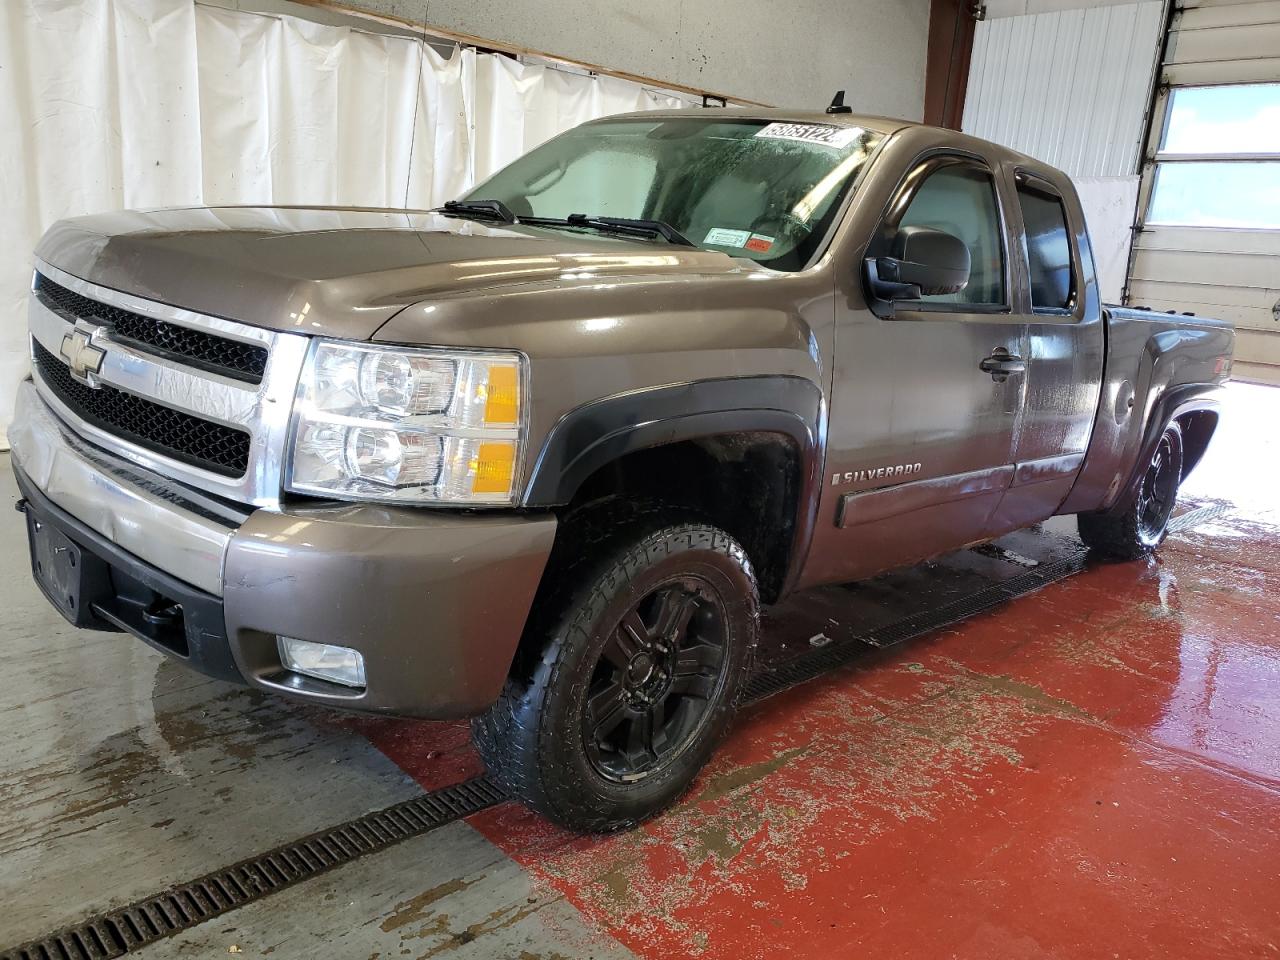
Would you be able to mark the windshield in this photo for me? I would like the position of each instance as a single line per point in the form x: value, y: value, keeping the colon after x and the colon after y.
x: 750, y: 188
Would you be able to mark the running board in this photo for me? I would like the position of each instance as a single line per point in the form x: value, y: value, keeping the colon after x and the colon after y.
x: 809, y: 666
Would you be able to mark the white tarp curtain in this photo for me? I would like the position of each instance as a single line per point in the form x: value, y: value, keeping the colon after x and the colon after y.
x: 109, y: 104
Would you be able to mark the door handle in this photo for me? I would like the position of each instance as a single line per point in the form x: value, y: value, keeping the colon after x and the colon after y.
x: 1001, y: 364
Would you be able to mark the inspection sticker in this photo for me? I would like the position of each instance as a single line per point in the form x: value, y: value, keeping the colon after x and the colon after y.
x: 759, y: 243
x: 823, y: 134
x: 721, y: 237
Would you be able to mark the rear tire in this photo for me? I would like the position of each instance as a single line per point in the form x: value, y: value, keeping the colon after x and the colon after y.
x: 1142, y: 526
x: 636, y: 681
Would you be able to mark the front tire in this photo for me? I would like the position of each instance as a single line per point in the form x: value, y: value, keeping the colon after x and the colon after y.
x: 1142, y: 526
x: 637, y: 680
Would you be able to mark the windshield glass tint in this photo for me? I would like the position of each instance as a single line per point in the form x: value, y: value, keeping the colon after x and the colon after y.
x: 750, y: 188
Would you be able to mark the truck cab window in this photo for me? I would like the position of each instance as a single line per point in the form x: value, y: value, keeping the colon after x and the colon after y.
x: 750, y: 188
x: 1048, y: 249
x: 961, y: 199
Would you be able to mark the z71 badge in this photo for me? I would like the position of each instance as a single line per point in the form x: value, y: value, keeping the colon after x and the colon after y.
x: 876, y: 473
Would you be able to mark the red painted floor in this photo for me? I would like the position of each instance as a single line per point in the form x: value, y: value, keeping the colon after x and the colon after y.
x: 1090, y: 771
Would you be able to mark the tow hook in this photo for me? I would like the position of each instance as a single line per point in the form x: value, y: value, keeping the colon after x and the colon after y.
x: 162, y: 612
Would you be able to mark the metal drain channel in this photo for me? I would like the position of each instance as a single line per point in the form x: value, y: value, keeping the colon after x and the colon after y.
x: 1193, y: 518
x: 116, y: 933
x: 119, y: 932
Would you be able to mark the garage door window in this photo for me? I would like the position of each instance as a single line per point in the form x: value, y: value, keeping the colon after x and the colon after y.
x: 1219, y: 162
x: 1048, y: 250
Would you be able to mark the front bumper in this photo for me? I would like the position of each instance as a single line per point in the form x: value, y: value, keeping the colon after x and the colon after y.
x: 435, y: 602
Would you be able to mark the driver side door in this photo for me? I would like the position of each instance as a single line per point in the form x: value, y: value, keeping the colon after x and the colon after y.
x: 921, y: 431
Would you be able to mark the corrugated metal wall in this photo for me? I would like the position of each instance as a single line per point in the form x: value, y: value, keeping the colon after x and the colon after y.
x: 1068, y: 87
x: 1232, y: 274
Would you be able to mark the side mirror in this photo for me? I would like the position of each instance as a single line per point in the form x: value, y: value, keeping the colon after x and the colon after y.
x: 924, y: 262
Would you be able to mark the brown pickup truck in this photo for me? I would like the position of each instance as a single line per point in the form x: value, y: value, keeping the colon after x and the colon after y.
x: 537, y: 457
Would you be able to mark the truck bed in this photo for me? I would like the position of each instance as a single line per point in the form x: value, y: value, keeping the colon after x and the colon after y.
x: 1157, y: 363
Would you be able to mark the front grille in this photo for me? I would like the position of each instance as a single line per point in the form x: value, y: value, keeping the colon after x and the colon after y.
x: 243, y: 361
x: 181, y: 436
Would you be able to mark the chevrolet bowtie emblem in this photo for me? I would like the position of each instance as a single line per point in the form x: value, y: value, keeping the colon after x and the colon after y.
x: 82, y: 356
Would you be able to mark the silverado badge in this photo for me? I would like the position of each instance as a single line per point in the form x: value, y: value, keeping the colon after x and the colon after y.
x: 875, y: 473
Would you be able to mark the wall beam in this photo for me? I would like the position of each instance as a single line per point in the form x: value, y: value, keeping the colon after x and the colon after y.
x: 951, y: 29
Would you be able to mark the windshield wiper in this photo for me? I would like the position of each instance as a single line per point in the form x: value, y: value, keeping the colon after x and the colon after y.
x: 622, y: 225
x: 488, y: 209
x: 498, y: 211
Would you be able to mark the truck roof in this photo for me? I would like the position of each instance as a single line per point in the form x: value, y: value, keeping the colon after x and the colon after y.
x: 883, y: 125
x: 878, y: 124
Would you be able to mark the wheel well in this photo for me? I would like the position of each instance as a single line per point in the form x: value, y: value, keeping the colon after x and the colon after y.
x: 747, y: 484
x: 1197, y: 430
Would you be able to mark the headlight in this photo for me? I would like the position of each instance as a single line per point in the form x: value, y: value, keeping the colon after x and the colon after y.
x: 407, y: 425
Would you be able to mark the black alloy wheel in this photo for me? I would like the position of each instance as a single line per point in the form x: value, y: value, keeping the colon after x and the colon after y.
x: 657, y: 675
x: 1158, y: 491
x: 642, y: 642
x: 1140, y: 523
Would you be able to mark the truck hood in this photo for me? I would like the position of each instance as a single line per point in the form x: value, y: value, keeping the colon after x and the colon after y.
x: 340, y: 272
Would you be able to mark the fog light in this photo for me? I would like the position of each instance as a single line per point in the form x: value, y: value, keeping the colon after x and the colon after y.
x: 323, y: 661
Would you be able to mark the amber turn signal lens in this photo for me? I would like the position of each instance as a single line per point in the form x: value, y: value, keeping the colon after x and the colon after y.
x: 502, y: 401
x: 494, y: 468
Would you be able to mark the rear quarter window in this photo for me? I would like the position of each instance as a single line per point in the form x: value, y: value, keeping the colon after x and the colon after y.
x: 1048, y: 249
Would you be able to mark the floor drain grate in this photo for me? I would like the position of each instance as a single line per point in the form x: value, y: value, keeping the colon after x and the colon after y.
x: 1193, y: 518
x: 809, y: 666
x: 122, y: 931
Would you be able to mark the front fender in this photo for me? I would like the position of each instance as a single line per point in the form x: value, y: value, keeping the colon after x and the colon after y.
x: 597, y: 433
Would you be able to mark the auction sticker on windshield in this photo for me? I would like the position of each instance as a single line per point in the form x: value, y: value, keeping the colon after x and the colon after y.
x: 823, y: 134
x: 720, y: 237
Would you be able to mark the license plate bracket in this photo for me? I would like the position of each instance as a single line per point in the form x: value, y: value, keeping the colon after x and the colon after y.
x: 70, y: 577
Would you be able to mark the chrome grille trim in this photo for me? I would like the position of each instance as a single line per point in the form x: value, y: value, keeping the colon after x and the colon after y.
x: 119, y: 502
x: 260, y: 409
x: 163, y: 430
x: 210, y: 396
x: 200, y: 348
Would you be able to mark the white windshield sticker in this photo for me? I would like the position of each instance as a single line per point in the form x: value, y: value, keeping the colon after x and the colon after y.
x: 824, y: 134
x: 720, y: 237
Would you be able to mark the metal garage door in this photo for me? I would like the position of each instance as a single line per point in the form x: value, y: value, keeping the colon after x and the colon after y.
x: 1209, y: 238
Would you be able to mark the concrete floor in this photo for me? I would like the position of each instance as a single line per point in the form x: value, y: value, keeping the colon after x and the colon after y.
x: 1089, y: 771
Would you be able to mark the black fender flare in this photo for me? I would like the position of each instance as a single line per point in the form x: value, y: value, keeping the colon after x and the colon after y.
x: 1172, y: 403
x: 595, y: 434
